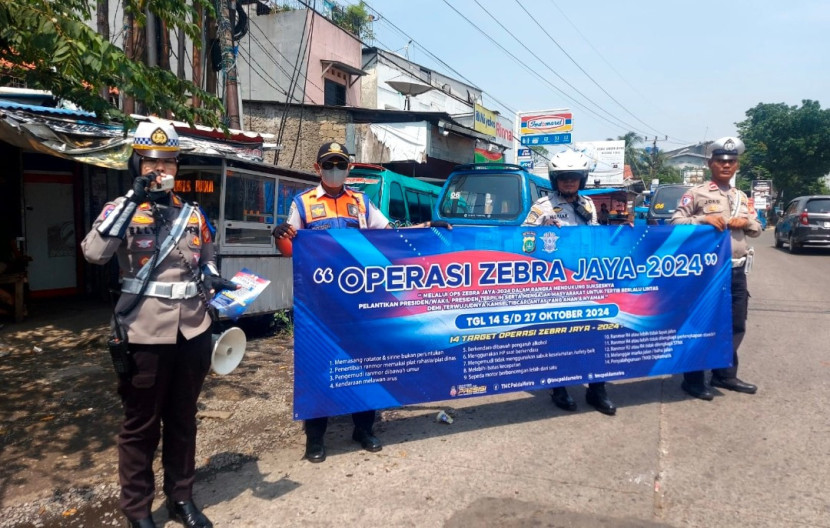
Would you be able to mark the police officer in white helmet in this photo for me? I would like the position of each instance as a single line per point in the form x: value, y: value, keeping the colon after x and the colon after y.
x: 719, y: 204
x: 568, y: 172
x: 161, y: 347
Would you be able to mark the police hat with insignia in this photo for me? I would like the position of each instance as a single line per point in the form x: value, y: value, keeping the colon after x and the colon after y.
x: 725, y: 148
x: 156, y: 140
x: 332, y: 150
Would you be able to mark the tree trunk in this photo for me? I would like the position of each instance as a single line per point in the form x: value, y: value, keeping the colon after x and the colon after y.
x: 210, y: 73
x: 103, y: 15
x: 128, y: 103
x: 198, y: 51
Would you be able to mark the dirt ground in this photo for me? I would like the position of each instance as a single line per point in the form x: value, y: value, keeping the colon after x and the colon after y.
x: 59, y: 415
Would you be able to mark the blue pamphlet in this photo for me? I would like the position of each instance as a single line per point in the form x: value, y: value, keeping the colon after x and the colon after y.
x: 233, y: 303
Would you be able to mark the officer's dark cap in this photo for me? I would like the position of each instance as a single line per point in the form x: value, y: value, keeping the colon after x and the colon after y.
x: 332, y: 150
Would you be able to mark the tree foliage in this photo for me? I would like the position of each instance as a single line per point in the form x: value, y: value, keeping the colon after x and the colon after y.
x: 789, y: 145
x: 634, y: 156
x: 540, y: 155
x: 355, y: 19
x: 48, y: 45
x: 654, y: 166
x: 668, y: 174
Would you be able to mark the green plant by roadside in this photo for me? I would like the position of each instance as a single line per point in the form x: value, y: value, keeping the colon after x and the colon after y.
x: 284, y: 322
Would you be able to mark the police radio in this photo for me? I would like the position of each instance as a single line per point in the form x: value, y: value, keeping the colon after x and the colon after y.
x: 166, y: 184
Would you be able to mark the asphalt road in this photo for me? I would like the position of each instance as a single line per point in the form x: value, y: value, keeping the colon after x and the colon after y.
x: 516, y: 460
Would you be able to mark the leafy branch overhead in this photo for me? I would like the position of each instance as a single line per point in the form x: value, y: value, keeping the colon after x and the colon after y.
x: 48, y: 45
x: 789, y: 144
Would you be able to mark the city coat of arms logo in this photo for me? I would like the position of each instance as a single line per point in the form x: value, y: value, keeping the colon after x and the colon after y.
x: 529, y: 241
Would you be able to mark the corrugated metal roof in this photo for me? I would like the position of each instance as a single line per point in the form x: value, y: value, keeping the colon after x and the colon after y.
x: 9, y: 105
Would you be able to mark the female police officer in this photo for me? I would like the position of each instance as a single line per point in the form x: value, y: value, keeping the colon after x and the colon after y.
x: 166, y: 256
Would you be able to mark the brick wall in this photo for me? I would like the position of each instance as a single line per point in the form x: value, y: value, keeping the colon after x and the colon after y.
x: 317, y: 126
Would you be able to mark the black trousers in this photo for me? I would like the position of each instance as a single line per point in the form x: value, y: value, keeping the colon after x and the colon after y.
x: 315, y: 428
x: 164, y: 390
x: 740, y: 305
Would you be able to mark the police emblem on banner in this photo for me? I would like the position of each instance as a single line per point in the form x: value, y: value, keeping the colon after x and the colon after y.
x: 549, y: 240
x: 529, y: 241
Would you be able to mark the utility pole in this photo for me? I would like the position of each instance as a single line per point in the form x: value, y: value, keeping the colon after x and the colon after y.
x: 653, y: 168
x: 229, y: 64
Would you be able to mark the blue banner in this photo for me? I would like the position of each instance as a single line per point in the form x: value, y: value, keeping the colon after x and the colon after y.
x: 384, y: 318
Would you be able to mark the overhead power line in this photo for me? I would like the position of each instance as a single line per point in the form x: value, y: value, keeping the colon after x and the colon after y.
x: 607, y: 63
x: 436, y: 58
x: 535, y: 73
x: 581, y: 68
x: 574, y: 88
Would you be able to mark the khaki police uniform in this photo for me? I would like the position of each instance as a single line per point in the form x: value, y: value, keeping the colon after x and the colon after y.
x: 157, y: 319
x: 710, y: 199
x: 547, y: 210
x: 170, y: 341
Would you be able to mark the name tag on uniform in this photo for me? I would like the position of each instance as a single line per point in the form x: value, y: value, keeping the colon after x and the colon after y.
x: 318, y: 211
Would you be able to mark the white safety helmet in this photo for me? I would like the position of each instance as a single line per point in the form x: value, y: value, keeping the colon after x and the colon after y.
x: 570, y: 161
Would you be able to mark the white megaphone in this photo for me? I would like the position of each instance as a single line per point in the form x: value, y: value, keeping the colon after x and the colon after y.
x: 228, y: 349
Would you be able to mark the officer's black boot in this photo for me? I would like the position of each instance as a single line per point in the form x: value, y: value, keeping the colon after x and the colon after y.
x: 315, y: 450
x: 694, y: 384
x: 599, y: 400
x: 733, y: 384
x: 562, y: 399
x: 367, y: 440
x: 188, y: 514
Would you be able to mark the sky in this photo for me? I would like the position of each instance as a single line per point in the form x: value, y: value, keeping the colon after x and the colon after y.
x: 686, y: 70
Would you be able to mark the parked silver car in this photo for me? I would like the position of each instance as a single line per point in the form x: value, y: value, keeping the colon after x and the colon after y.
x: 805, y: 221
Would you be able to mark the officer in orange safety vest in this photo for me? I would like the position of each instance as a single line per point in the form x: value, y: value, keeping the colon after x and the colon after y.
x: 332, y: 205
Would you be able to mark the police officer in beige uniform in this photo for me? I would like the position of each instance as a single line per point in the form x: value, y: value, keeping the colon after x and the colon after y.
x: 166, y: 256
x: 565, y: 207
x: 718, y: 204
